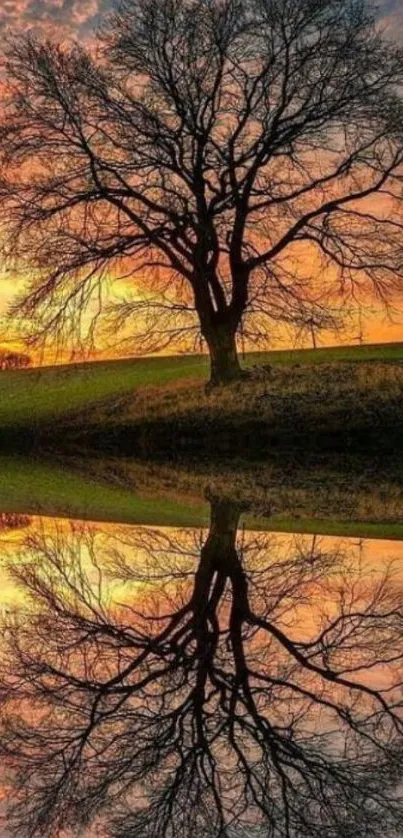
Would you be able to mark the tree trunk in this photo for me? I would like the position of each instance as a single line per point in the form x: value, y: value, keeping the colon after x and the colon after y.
x: 224, y: 362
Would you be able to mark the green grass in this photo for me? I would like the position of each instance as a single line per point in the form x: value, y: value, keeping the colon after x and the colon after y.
x: 32, y: 397
x: 392, y: 352
x: 35, y: 396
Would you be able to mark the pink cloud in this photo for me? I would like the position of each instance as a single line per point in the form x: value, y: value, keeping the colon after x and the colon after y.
x: 66, y: 18
x: 80, y: 18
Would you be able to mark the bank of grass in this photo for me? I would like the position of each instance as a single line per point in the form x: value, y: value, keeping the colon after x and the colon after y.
x: 30, y: 398
x: 334, y: 404
x: 33, y: 398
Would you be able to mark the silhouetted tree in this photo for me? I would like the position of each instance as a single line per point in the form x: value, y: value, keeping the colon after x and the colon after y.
x: 212, y: 698
x: 14, y: 360
x: 312, y: 324
x: 209, y: 148
x: 13, y: 520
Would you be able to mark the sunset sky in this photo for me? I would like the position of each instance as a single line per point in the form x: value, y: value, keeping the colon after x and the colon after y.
x: 73, y: 18
x: 79, y: 19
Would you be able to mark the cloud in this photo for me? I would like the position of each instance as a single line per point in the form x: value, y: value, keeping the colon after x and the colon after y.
x: 391, y: 15
x: 80, y: 18
x: 66, y: 18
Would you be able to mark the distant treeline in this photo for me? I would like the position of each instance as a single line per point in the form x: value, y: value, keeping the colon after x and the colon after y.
x: 14, y: 360
x: 14, y: 521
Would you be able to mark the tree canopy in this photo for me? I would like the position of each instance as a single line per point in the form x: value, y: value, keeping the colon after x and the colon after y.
x: 222, y: 155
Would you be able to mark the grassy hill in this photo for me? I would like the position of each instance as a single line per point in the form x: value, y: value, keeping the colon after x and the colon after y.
x: 32, y: 397
x: 328, y: 399
x: 38, y: 395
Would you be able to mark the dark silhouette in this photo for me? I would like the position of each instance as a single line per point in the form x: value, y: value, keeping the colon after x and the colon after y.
x: 14, y: 521
x: 220, y: 154
x: 14, y: 360
x: 226, y: 692
x: 313, y: 325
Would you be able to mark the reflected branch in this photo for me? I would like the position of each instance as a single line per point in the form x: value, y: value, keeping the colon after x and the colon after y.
x: 161, y: 684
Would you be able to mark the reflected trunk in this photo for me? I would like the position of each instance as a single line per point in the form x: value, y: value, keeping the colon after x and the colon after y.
x: 219, y: 564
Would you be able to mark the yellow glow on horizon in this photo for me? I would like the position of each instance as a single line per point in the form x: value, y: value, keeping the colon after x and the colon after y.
x: 374, y: 554
x: 372, y: 327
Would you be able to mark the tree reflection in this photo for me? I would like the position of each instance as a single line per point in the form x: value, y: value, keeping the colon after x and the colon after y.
x: 226, y: 692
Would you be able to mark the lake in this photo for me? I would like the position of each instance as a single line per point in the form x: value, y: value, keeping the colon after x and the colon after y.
x: 174, y: 665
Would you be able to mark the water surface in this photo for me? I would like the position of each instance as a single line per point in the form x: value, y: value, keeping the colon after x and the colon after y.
x: 212, y: 677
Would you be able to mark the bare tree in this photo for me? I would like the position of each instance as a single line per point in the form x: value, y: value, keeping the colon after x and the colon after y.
x: 13, y: 520
x: 210, y: 152
x: 312, y: 324
x: 14, y: 360
x: 202, y: 702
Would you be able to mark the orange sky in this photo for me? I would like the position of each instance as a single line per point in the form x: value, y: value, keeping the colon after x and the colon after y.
x: 78, y: 19
x: 371, y: 554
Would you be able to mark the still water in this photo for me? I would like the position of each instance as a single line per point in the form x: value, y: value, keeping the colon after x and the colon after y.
x: 212, y: 680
